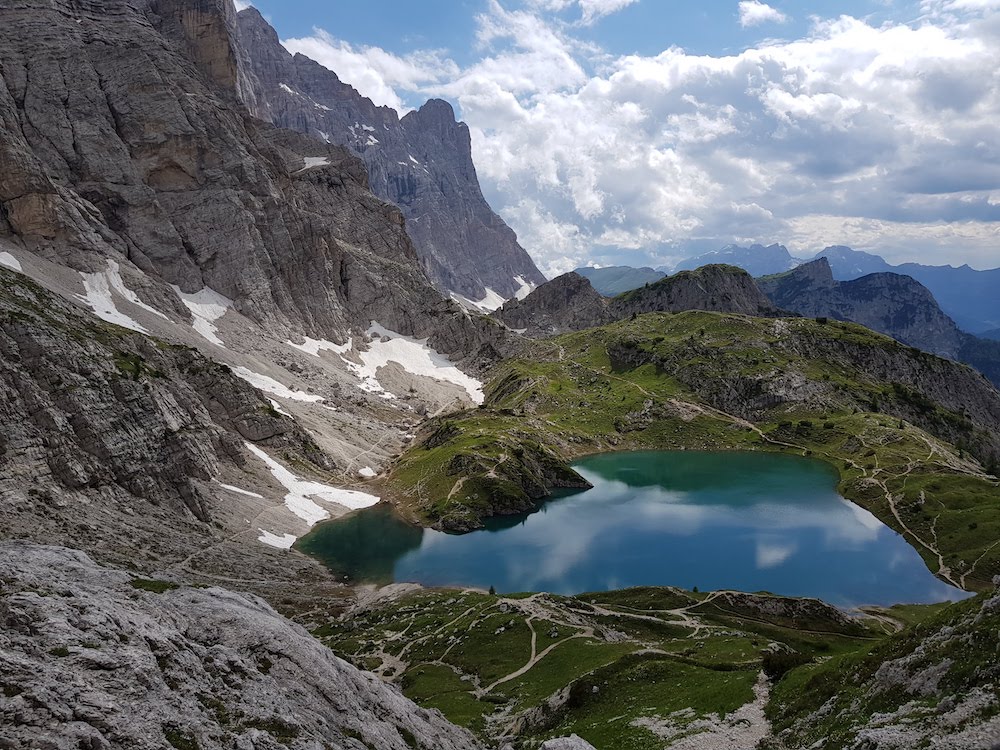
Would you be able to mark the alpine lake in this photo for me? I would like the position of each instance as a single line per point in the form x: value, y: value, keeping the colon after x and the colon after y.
x: 705, y: 520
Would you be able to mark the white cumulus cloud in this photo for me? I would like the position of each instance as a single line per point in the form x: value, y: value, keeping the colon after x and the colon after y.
x: 754, y: 13
x: 878, y: 136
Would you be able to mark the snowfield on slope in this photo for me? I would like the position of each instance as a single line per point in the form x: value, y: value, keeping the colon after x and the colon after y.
x: 9, y: 261
x: 299, y: 499
x: 414, y: 356
x: 98, y: 288
x: 270, y: 385
x: 206, y: 306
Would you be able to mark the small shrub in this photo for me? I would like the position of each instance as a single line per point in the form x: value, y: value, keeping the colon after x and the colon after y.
x: 148, y: 584
x: 776, y: 664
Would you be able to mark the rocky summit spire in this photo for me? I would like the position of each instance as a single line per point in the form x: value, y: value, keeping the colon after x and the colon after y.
x: 422, y: 162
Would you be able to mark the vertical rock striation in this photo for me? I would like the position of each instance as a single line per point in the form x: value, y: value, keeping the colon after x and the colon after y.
x: 421, y: 162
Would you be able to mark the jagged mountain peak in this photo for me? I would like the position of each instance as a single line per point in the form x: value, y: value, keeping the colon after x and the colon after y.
x: 421, y: 162
x: 715, y: 287
x: 567, y: 303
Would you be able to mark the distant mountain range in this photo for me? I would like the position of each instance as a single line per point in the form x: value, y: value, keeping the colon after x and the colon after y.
x: 757, y: 260
x: 890, y: 303
x: 614, y: 280
x: 968, y: 296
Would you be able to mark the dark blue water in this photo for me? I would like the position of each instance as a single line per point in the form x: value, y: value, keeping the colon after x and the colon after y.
x: 746, y: 521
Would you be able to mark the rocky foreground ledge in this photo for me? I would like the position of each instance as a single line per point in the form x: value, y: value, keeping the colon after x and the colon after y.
x: 96, y: 658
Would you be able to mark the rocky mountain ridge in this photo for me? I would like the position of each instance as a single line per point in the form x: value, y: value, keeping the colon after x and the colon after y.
x: 896, y: 305
x: 567, y: 303
x: 170, y: 163
x: 888, y: 303
x: 94, y: 657
x: 570, y: 303
x: 137, y: 189
x: 421, y: 162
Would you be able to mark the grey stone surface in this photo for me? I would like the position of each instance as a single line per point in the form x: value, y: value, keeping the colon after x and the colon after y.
x: 111, y: 441
x: 421, y: 162
x: 570, y: 303
x: 567, y: 743
x: 125, y: 137
x: 90, y: 660
x: 885, y: 302
x: 567, y: 303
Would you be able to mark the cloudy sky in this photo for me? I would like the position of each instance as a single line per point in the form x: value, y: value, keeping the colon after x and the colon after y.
x: 642, y: 131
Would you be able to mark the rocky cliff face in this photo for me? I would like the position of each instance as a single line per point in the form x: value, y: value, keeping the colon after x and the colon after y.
x: 115, y: 443
x: 133, y: 183
x: 715, y: 288
x: 124, y: 138
x: 889, y: 303
x: 421, y: 163
x: 94, y: 658
x: 567, y: 303
x: 570, y: 302
x: 885, y: 302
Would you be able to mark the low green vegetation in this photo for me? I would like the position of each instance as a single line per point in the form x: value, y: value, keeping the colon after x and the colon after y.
x: 708, y: 381
x: 604, y: 665
x: 148, y: 584
x: 933, y: 679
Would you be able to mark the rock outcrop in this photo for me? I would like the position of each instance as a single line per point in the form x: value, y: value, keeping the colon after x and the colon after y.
x: 93, y: 657
x: 113, y: 442
x: 715, y: 288
x: 895, y: 305
x: 421, y: 162
x: 933, y: 684
x: 567, y: 303
x: 889, y: 303
x: 570, y: 302
x: 124, y: 137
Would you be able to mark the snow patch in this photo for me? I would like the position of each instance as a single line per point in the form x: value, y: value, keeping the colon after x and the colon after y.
x: 299, y: 499
x: 526, y: 287
x: 288, y: 89
x: 311, y: 162
x: 239, y: 491
x: 414, y: 160
x: 367, y: 472
x: 285, y: 541
x: 277, y: 407
x: 8, y: 260
x: 207, y: 306
x: 414, y: 356
x: 98, y: 288
x: 315, y: 346
x: 270, y: 385
x: 489, y: 303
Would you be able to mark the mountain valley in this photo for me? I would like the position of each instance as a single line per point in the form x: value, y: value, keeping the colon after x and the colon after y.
x: 240, y: 301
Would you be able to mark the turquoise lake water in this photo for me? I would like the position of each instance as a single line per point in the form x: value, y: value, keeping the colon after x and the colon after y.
x: 746, y: 521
